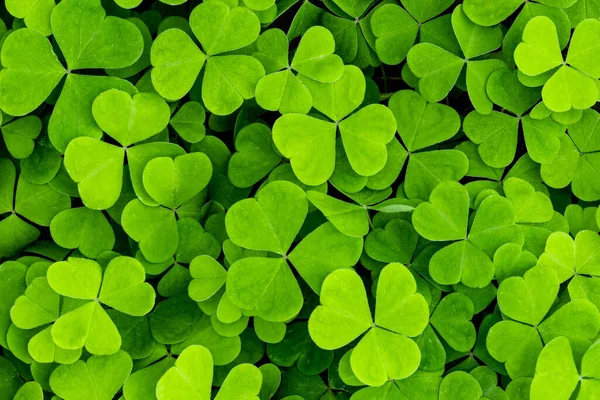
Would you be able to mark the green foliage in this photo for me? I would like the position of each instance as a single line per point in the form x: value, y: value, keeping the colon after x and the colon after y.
x: 336, y: 200
x: 385, y: 351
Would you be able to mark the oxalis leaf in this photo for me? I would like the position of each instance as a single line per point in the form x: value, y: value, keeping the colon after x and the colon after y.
x: 343, y: 317
x: 190, y: 188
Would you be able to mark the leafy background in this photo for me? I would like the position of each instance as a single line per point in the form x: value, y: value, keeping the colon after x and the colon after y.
x: 289, y: 199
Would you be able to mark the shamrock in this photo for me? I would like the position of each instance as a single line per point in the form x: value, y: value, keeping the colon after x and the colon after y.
x: 386, y: 351
x: 557, y: 375
x: 525, y: 184
x: 30, y: 391
x: 420, y: 385
x: 37, y: 307
x: 228, y: 79
x: 530, y: 10
x: 530, y: 206
x: 37, y: 204
x: 349, y: 24
x: 164, y: 178
x: 350, y: 219
x: 298, y: 349
x: 99, y: 377
x: 581, y: 218
x: 577, y: 158
x: 422, y: 124
x: 452, y: 320
x: 439, y: 69
x: 576, y: 76
x: 224, y: 349
x: 19, y: 135
x: 194, y: 241
x: 35, y: 14
x: 136, y: 336
x: 141, y: 384
x: 488, y: 13
x: 575, y: 260
x: 12, y: 284
x: 208, y: 288
x: 395, y: 242
x: 281, y: 90
x: 460, y: 385
x: 173, y: 319
x: 188, y: 122
x: 445, y: 218
x: 346, y: 180
x: 496, y: 133
x: 309, y: 142
x: 82, y: 228
x: 97, y: 166
x: 257, y: 283
x: 110, y: 43
x: 512, y: 260
x: 122, y: 288
x: 208, y: 277
x: 518, y: 342
x: 395, y: 28
x: 191, y: 377
x: 255, y: 156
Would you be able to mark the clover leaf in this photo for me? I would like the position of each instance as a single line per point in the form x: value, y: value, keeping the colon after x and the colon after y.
x: 576, y: 159
x: 209, y: 200
x: 208, y: 277
x: 556, y: 373
x: 38, y: 204
x: 344, y: 316
x: 350, y: 219
x: 173, y: 182
x: 493, y: 12
x: 364, y: 134
x: 177, y: 61
x: 97, y: 168
x: 255, y: 156
x: 581, y: 218
x: 395, y: 31
x: 395, y: 242
x: 83, y: 229
x: 110, y: 43
x: 394, y: 39
x: 297, y: 348
x: 278, y: 213
x: 130, y: 119
x: 460, y: 385
x: 496, y: 133
x: 512, y: 260
x: 519, y: 343
x: 540, y: 52
x: 19, y: 135
x: 32, y: 87
x: 281, y: 90
x: 349, y: 23
x: 192, y: 375
x: 100, y: 377
x: 188, y: 122
x: 30, y: 391
x: 122, y: 288
x: 574, y: 259
x: 439, y: 69
x: 419, y: 385
x: 452, y: 319
x: 445, y: 217
x: 419, y: 125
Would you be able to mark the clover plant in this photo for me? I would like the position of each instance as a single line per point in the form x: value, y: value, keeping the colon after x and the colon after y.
x: 296, y: 200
